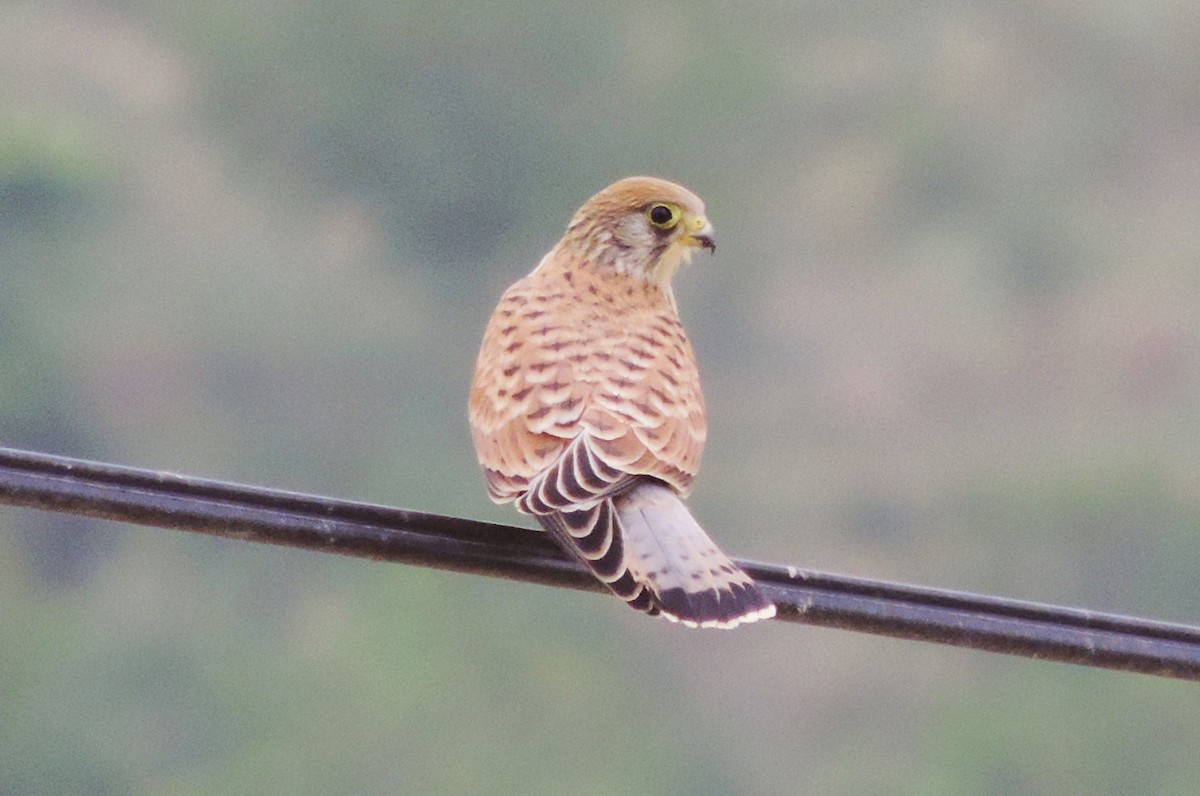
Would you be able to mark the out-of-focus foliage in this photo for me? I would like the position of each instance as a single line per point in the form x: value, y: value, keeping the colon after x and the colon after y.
x: 952, y: 336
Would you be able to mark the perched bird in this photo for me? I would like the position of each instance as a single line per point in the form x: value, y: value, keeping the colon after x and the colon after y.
x: 586, y: 407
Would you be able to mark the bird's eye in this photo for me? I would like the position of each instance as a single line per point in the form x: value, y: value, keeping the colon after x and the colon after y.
x: 663, y: 216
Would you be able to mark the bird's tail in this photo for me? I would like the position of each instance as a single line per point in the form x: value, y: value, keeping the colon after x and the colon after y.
x: 645, y: 545
x: 693, y: 582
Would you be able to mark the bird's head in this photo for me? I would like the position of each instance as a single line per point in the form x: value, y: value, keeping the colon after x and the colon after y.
x: 642, y: 226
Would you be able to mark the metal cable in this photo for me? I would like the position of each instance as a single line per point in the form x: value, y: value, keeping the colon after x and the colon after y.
x: 168, y: 500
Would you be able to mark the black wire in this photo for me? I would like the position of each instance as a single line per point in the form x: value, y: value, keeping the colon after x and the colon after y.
x: 167, y: 500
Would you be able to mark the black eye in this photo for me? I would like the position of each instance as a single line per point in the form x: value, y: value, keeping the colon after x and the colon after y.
x: 661, y: 215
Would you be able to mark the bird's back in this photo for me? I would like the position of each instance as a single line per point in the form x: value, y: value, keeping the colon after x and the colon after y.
x: 576, y: 349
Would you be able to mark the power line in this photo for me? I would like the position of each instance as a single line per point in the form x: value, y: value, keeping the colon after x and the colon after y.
x: 996, y: 624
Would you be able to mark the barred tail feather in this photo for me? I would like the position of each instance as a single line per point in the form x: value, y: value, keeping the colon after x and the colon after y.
x: 638, y: 538
x: 693, y: 582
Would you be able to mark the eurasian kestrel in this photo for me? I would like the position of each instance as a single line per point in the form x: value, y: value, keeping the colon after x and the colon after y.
x: 586, y: 406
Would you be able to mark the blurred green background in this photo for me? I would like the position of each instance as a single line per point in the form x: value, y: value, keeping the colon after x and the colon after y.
x: 952, y: 336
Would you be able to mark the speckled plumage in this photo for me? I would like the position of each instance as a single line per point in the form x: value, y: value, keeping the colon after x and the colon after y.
x: 586, y: 406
